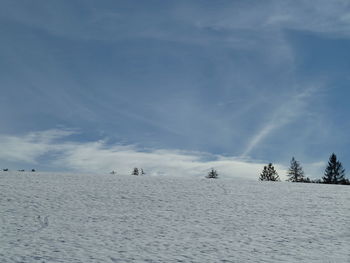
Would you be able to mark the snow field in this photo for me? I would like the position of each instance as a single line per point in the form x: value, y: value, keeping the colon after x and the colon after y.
x: 111, y: 218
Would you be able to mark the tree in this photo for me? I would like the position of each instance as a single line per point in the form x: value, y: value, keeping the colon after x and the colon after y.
x: 346, y: 181
x: 213, y: 174
x: 135, y: 171
x: 142, y: 172
x: 334, y: 173
x: 269, y: 174
x: 295, y: 172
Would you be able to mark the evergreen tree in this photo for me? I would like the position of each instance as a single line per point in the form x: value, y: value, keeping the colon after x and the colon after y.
x: 213, y: 174
x: 135, y: 171
x: 295, y: 172
x: 334, y: 173
x: 142, y: 172
x: 269, y: 174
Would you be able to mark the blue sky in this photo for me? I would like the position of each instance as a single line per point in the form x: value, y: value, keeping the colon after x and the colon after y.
x: 213, y: 83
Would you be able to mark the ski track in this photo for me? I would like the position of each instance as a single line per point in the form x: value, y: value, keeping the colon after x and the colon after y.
x: 111, y: 218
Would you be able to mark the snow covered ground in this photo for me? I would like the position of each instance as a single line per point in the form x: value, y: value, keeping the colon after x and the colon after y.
x: 111, y: 218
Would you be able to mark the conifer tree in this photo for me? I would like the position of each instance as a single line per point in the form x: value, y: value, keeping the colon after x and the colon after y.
x: 269, y: 174
x: 135, y: 171
x: 334, y: 173
x: 295, y: 172
x: 213, y: 174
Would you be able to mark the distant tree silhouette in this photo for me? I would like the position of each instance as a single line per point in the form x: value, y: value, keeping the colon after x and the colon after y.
x: 269, y: 174
x: 295, y: 172
x: 135, y: 171
x: 307, y: 180
x: 346, y: 181
x: 212, y: 174
x: 316, y: 181
x: 334, y: 173
x: 142, y: 172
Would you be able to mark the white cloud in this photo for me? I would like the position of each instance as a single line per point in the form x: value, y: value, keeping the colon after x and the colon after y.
x: 315, y: 169
x: 30, y: 147
x: 99, y: 157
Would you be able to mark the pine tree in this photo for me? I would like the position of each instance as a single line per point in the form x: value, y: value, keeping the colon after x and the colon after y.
x: 295, y: 172
x: 213, y: 174
x: 135, y: 171
x: 142, y: 172
x: 269, y: 174
x: 334, y: 173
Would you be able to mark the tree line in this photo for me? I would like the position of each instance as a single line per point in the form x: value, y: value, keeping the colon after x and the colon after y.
x: 135, y: 171
x: 333, y: 174
x: 20, y: 170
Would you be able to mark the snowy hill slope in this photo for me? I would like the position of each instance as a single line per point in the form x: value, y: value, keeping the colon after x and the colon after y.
x: 111, y: 218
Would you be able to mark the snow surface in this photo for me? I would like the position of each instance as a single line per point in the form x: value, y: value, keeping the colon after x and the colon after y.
x: 111, y: 218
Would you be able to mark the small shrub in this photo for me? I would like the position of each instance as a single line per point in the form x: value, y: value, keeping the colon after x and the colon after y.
x: 135, y: 171
x: 212, y: 174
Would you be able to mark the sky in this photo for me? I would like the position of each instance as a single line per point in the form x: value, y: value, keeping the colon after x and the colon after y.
x: 175, y: 87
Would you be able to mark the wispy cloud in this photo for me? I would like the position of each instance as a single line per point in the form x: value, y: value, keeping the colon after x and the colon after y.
x: 328, y: 17
x: 99, y: 157
x: 212, y: 76
x: 30, y: 147
x: 91, y: 22
x: 294, y: 107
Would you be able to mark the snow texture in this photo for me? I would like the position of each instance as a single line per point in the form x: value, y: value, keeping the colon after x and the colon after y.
x: 111, y: 218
